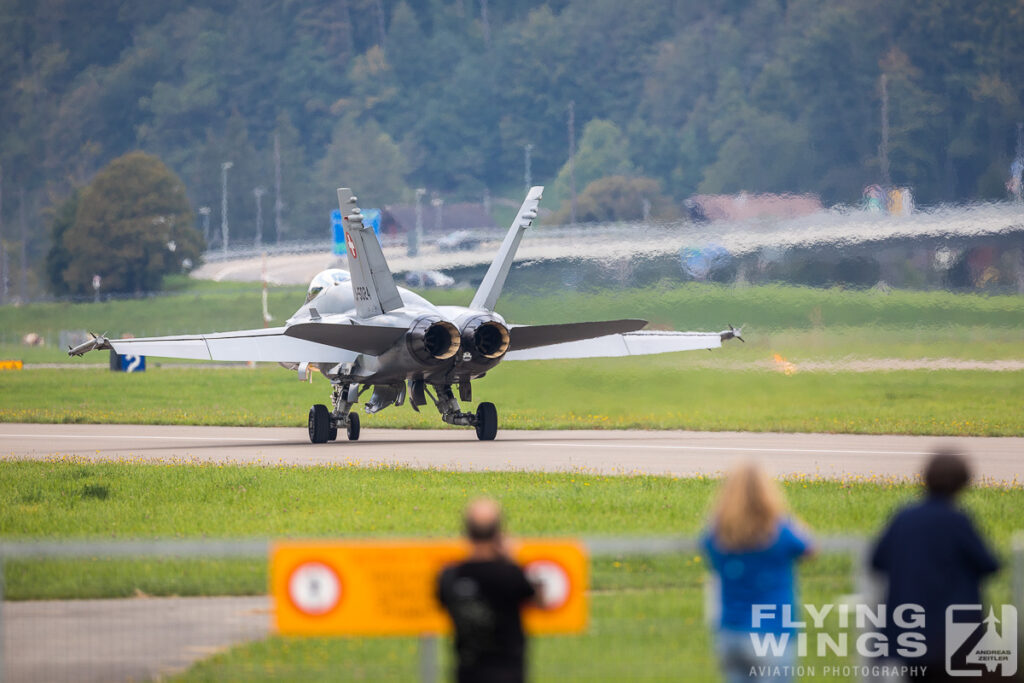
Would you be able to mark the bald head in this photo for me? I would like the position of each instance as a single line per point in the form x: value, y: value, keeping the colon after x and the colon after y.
x: 483, y: 520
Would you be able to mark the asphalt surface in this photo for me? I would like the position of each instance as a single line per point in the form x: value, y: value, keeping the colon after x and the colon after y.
x: 608, y: 452
x: 124, y: 640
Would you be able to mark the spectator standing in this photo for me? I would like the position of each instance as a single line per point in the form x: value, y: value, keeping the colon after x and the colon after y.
x: 484, y: 597
x: 932, y: 556
x: 753, y: 546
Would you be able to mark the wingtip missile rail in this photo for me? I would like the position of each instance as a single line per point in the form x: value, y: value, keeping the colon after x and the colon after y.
x: 98, y: 342
x: 732, y: 333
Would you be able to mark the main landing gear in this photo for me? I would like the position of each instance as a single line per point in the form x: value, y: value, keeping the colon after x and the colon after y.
x: 324, y: 424
x: 484, y: 420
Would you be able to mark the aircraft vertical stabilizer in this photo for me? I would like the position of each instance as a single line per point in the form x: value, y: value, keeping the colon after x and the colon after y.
x: 372, y: 283
x: 490, y: 289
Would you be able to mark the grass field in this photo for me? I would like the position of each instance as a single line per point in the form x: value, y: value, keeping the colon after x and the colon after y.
x: 658, y: 392
x: 695, y: 390
x: 794, y: 321
x: 647, y: 611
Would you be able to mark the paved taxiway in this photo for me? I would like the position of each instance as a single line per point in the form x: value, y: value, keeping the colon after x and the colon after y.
x: 124, y: 640
x: 608, y: 452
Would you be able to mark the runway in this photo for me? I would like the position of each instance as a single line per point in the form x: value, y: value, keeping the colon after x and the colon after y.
x: 678, y: 453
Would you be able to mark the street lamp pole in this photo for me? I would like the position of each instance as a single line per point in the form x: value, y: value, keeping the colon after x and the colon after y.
x: 224, y: 205
x: 258, y: 193
x: 204, y: 211
x: 417, y: 234
x: 438, y: 205
x: 278, y: 204
x: 527, y: 176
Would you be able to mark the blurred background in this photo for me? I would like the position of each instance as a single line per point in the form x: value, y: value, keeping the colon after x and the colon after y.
x: 657, y: 112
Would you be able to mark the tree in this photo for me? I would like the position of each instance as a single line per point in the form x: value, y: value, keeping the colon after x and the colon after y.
x: 366, y: 159
x: 58, y: 258
x: 619, y: 198
x: 133, y: 225
x: 766, y: 153
x: 603, y: 151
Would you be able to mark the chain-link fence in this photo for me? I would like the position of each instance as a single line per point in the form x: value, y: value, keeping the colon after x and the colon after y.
x: 137, y: 610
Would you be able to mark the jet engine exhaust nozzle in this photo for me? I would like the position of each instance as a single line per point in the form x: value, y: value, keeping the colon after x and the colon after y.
x: 488, y: 339
x: 432, y: 340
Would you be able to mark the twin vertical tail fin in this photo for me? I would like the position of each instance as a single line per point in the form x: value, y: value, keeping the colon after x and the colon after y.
x: 372, y: 283
x: 490, y: 289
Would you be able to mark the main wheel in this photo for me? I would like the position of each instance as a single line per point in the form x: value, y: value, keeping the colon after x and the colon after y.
x: 332, y: 433
x: 319, y: 423
x: 353, y: 427
x: 486, y: 422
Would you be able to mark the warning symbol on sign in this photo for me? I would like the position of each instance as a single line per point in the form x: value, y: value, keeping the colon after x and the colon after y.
x: 314, y: 588
x: 553, y: 580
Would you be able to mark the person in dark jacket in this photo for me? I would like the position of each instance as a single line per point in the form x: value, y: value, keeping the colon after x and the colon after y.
x: 484, y: 597
x: 933, y: 557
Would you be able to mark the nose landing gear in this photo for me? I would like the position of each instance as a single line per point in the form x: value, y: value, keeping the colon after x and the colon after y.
x: 324, y: 424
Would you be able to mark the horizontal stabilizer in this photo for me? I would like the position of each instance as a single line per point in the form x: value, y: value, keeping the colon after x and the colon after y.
x: 530, y: 336
x: 370, y: 339
x: 616, y: 345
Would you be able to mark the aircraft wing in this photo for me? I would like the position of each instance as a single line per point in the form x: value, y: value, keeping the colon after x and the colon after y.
x: 626, y: 344
x: 271, y: 344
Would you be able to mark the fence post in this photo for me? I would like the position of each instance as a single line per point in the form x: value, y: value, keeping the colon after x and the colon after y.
x: 3, y: 624
x: 866, y: 589
x: 1017, y: 596
x: 428, y: 658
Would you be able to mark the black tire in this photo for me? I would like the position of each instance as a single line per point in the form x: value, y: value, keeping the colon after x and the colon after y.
x: 353, y: 427
x: 319, y: 423
x: 332, y: 433
x: 486, y: 422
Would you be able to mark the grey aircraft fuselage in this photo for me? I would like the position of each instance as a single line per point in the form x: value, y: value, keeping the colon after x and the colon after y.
x: 436, y: 362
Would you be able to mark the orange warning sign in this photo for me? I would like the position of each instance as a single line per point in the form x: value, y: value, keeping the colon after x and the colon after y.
x: 389, y: 587
x: 11, y: 365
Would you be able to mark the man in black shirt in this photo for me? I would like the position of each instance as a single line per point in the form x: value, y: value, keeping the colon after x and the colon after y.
x: 484, y: 596
x: 933, y: 557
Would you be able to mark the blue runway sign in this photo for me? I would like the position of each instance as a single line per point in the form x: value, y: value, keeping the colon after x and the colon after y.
x: 337, y: 233
x: 371, y: 217
x: 130, y: 363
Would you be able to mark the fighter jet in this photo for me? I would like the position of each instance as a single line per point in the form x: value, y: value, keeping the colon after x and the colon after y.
x: 362, y: 332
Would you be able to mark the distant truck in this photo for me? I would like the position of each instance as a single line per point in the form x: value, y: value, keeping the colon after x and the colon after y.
x: 428, y: 279
x: 460, y: 240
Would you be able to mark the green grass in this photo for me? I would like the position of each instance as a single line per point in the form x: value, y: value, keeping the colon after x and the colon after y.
x: 657, y: 392
x: 646, y: 611
x: 799, y: 321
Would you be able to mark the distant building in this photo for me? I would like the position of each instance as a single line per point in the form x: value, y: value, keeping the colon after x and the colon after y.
x: 743, y: 206
x: 399, y: 219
